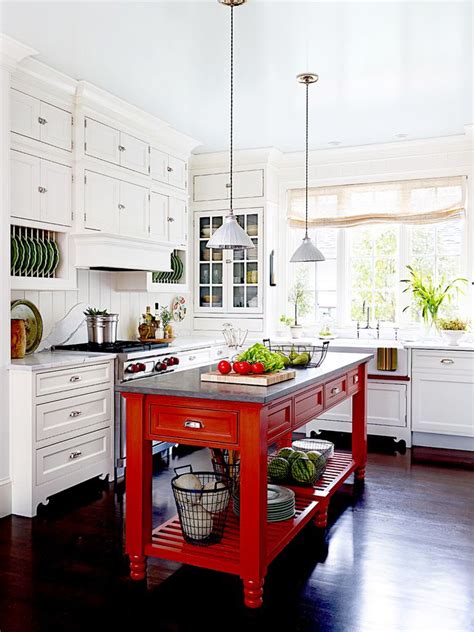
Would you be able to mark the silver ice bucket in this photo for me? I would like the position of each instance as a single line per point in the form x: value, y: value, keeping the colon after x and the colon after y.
x: 102, y: 329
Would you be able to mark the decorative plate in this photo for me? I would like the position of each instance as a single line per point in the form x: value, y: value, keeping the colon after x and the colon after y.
x: 27, y: 311
x: 26, y: 256
x: 14, y: 253
x: 21, y: 255
x: 33, y: 256
x: 178, y: 308
x: 56, y: 255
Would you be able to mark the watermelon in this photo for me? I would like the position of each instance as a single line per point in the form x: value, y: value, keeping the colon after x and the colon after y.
x: 303, y: 470
x: 285, y: 453
x: 296, y: 454
x: 278, y: 469
x: 316, y: 457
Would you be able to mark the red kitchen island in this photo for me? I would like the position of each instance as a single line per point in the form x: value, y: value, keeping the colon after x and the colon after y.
x: 179, y: 408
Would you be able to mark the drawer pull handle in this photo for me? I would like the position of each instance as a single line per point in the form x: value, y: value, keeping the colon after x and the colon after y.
x: 75, y: 455
x: 42, y: 190
x: 191, y: 358
x: 335, y: 390
x: 193, y: 423
x: 75, y: 378
x: 447, y: 361
x: 121, y: 148
x: 74, y: 413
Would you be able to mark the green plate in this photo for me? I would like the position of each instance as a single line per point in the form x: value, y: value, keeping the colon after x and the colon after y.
x: 174, y: 268
x: 39, y: 257
x: 21, y: 255
x: 33, y: 256
x: 44, y: 257
x: 27, y: 311
x: 25, y: 266
x: 180, y: 268
x: 14, y: 254
x: 49, y: 268
x: 56, y: 256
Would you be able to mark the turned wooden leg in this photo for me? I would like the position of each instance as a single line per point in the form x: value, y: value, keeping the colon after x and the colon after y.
x: 253, y: 593
x: 321, y: 518
x: 137, y: 567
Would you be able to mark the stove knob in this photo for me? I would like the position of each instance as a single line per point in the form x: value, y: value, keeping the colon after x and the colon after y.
x: 176, y: 360
x: 160, y: 366
x: 141, y: 366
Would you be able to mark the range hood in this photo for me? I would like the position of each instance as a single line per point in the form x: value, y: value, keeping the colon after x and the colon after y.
x: 104, y: 251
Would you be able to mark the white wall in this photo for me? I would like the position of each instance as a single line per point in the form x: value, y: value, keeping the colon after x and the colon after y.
x: 98, y: 289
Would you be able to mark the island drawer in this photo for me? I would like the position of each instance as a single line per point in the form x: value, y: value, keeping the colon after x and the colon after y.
x: 353, y: 382
x: 335, y: 391
x: 194, y: 425
x: 452, y: 361
x: 279, y: 419
x: 71, y: 378
x: 308, y: 405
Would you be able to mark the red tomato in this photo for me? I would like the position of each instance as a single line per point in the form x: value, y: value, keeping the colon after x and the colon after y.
x: 242, y: 367
x: 224, y: 367
x: 258, y: 367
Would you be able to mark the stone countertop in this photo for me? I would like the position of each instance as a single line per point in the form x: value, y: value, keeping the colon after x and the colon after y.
x: 188, y: 383
x: 57, y: 360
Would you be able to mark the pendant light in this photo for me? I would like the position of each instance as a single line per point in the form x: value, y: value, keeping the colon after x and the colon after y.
x: 307, y: 251
x: 231, y: 236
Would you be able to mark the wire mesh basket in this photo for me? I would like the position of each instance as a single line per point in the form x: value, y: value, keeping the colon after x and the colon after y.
x: 227, y: 463
x: 326, y: 448
x: 300, y: 356
x: 281, y: 474
x: 202, y: 500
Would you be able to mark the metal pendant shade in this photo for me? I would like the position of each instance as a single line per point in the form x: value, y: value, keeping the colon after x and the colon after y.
x: 307, y: 251
x: 231, y: 236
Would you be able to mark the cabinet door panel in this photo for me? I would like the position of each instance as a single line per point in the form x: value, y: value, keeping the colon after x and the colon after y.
x: 133, y: 153
x: 214, y: 186
x: 134, y: 210
x: 443, y: 404
x: 57, y: 129
x: 177, y: 224
x: 159, y: 165
x: 159, y: 217
x: 102, y: 141
x: 176, y: 172
x: 101, y: 202
x: 25, y: 180
x: 56, y: 198
x: 25, y: 111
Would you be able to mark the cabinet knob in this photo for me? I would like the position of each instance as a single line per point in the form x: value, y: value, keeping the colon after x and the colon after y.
x: 171, y: 219
x: 169, y: 169
x: 75, y: 455
x: 42, y: 121
x: 42, y: 190
x: 74, y: 413
x: 192, y: 423
x: 447, y: 361
x: 335, y: 390
x: 191, y: 358
x: 74, y: 378
x: 121, y: 148
x: 121, y: 207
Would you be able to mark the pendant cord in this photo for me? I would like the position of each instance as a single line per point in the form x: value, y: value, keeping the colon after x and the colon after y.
x: 306, y: 158
x: 231, y: 104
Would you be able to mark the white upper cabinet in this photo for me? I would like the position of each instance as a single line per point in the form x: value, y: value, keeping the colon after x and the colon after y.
x: 159, y: 216
x: 41, y: 189
x: 41, y: 121
x: 102, y: 197
x: 177, y: 221
x: 25, y: 199
x: 168, y: 169
x: 216, y: 186
x: 110, y: 144
x: 101, y: 141
x: 55, y: 193
x: 133, y: 210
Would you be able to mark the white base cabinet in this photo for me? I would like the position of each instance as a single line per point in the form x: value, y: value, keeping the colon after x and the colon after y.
x: 443, y: 392
x: 387, y: 413
x: 61, y: 431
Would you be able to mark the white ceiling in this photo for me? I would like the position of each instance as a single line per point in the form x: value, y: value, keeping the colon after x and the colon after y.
x: 385, y: 67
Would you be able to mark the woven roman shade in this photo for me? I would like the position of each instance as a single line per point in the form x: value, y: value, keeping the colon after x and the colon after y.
x: 404, y: 202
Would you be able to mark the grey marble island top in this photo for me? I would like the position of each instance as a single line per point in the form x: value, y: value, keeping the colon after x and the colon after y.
x: 188, y: 383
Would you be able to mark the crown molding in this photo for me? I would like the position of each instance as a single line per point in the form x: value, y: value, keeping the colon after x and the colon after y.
x: 12, y: 52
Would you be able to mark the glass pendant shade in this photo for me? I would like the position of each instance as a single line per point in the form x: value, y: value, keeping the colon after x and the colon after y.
x: 230, y: 236
x: 307, y: 252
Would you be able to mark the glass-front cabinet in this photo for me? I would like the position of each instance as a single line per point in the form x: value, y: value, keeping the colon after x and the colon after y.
x: 227, y: 281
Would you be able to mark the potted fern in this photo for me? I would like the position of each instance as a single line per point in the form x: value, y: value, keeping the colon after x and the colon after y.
x: 453, y: 329
x: 428, y: 296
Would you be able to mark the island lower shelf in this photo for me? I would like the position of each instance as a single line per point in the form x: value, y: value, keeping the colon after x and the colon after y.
x: 168, y: 542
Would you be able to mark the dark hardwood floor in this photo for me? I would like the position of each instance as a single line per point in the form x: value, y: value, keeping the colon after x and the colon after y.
x: 397, y: 558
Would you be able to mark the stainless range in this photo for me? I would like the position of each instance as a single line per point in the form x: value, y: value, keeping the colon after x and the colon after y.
x: 134, y: 360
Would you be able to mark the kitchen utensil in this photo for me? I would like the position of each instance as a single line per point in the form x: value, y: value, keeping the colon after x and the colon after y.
x: 234, y: 338
x: 18, y: 338
x: 27, y: 311
x: 102, y: 329
x: 251, y: 379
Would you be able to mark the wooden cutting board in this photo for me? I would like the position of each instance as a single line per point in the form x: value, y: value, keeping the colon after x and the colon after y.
x: 263, y: 379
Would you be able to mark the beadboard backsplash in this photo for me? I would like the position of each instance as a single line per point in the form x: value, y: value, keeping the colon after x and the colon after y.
x: 98, y: 290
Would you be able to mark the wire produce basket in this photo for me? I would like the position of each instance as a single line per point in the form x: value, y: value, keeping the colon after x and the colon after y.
x: 227, y: 463
x: 326, y: 448
x: 302, y: 474
x: 202, y: 500
x: 300, y: 356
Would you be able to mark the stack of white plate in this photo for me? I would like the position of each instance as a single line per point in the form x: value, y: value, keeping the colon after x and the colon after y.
x: 280, y: 503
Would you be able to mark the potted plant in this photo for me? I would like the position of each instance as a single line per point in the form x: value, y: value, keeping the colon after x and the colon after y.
x: 298, y: 297
x: 428, y: 296
x: 453, y: 329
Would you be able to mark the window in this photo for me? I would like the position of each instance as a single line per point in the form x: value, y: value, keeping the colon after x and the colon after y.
x: 366, y: 254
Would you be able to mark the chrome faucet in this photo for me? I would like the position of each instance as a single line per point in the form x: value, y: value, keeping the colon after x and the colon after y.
x: 367, y: 322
